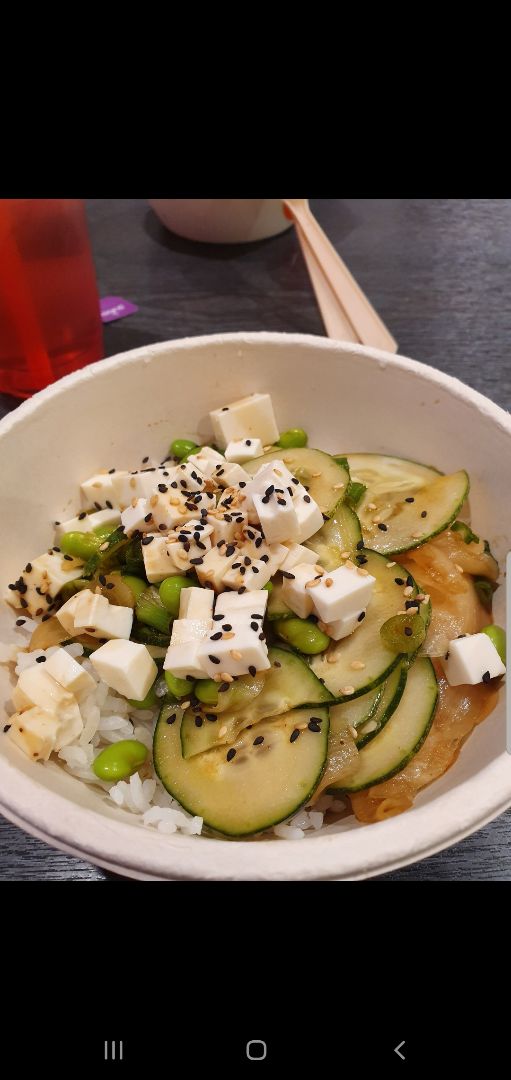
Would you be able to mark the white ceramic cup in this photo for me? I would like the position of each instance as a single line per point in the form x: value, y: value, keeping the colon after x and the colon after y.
x: 222, y: 221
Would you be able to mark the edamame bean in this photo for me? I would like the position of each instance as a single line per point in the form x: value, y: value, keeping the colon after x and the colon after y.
x: 181, y: 447
x: 120, y: 760
x: 303, y: 635
x: 136, y: 584
x: 498, y: 636
x: 104, y: 531
x: 79, y: 544
x: 294, y: 437
x: 179, y: 688
x: 150, y: 700
x: 206, y: 691
x: 170, y: 592
x: 268, y: 587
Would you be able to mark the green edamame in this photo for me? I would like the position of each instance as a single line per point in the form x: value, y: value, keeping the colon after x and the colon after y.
x: 104, y: 531
x: 80, y: 545
x: 120, y: 760
x: 181, y: 447
x: 170, y: 592
x: 136, y: 584
x: 179, y: 688
x: 498, y: 636
x: 206, y: 691
x: 294, y: 437
x: 268, y: 587
x: 303, y: 635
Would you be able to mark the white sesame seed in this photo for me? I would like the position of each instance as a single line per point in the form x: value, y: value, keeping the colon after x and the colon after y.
x: 362, y: 572
x: 349, y: 565
x: 417, y: 535
x: 345, y: 554
x: 458, y: 567
x: 408, y: 591
x: 226, y: 677
x: 353, y: 731
x: 235, y: 653
x: 347, y: 690
x: 222, y: 732
x: 338, y: 487
x: 370, y: 726
x: 184, y: 705
x: 389, y: 564
x: 372, y: 506
x: 357, y: 665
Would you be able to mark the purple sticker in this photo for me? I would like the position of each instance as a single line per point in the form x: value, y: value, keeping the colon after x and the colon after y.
x: 114, y: 307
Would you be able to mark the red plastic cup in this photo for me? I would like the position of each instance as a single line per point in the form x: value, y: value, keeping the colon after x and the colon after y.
x: 50, y: 320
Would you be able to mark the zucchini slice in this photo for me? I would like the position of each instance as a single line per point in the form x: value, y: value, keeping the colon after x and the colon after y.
x: 288, y: 684
x: 392, y: 692
x: 365, y: 643
x: 326, y: 480
x: 403, y: 735
x: 262, y: 783
x: 356, y: 713
x: 341, y: 533
x: 436, y: 501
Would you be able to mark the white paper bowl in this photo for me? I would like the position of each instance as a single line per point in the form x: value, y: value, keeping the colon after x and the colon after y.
x: 348, y: 398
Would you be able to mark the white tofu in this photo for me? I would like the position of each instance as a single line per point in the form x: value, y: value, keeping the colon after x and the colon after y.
x: 215, y: 565
x: 35, y: 732
x: 249, y: 417
x: 87, y: 522
x: 310, y: 518
x: 126, y: 666
x: 196, y: 603
x: 188, y: 477
x: 228, y: 474
x: 298, y: 554
x: 134, y: 517
x: 235, y: 655
x: 234, y: 500
x: 341, y: 592
x: 343, y: 627
x: 470, y: 658
x: 277, y: 516
x: 182, y: 660
x: 69, y: 673
x: 294, y: 591
x: 37, y: 687
x: 226, y: 527
x: 232, y: 604
x: 205, y: 460
x: 44, y: 578
x: 137, y: 485
x: 249, y: 577
x: 159, y: 562
x: 241, y: 450
x: 66, y: 614
x: 186, y: 630
x: 192, y: 543
x: 99, y: 489
x: 173, y: 508
x: 274, y: 474
x: 95, y: 615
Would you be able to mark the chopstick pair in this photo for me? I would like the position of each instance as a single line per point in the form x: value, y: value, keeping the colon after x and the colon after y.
x: 347, y: 313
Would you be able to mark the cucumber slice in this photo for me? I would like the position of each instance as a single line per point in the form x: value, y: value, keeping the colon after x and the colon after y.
x: 289, y: 683
x: 356, y: 713
x: 341, y: 533
x: 403, y: 735
x: 392, y: 692
x: 276, y: 608
x: 365, y: 643
x: 326, y: 480
x: 261, y: 785
x: 390, y: 481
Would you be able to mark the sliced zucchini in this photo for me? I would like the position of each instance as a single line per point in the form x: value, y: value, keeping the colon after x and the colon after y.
x: 325, y: 479
x: 276, y: 608
x: 289, y: 683
x: 358, y: 712
x: 266, y: 775
x: 365, y: 643
x: 402, y: 736
x: 392, y: 692
x: 341, y: 533
x: 403, y: 525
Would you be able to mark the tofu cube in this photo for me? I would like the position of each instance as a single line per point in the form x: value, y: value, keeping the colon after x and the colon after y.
x: 277, y: 516
x: 226, y: 526
x: 228, y: 474
x: 298, y: 554
x: 241, y: 576
x: 310, y: 518
x: 37, y: 687
x: 126, y: 666
x: 295, y: 592
x: 205, y: 460
x: 66, y: 614
x: 35, y: 732
x: 274, y: 474
x: 472, y: 659
x: 250, y: 417
x: 239, y: 655
x: 196, y: 603
x: 159, y: 562
x: 87, y: 522
x: 137, y: 485
x: 182, y: 660
x: 188, y: 477
x: 343, y: 627
x: 241, y: 450
x: 173, y: 508
x: 99, y: 489
x: 341, y: 593
x: 44, y: 579
x: 186, y: 630
x: 192, y: 543
x: 69, y: 673
x: 93, y: 614
x: 134, y: 517
x: 236, y: 500
x: 215, y: 565
x: 232, y: 604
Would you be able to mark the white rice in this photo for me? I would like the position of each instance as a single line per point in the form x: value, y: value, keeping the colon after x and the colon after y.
x: 108, y: 718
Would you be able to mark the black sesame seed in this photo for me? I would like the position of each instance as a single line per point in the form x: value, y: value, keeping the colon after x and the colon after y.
x: 447, y: 655
x: 361, y: 559
x: 174, y: 484
x: 410, y: 581
x: 57, y: 549
x: 257, y: 616
x: 28, y: 568
x: 82, y: 515
x: 214, y: 659
x: 265, y: 558
x: 254, y: 626
x: 281, y: 502
x: 243, y: 570
x: 258, y: 542
x: 261, y: 637
x: 252, y: 670
x: 424, y: 513
x: 110, y: 585
x: 255, y: 569
x: 235, y: 565
x: 360, y: 545
x: 410, y: 603
x: 399, y: 580
x: 69, y: 558
x: 217, y: 636
x: 361, y: 616
x: 7, y: 728
x: 277, y: 663
x: 145, y: 460
x: 408, y: 631
x: 269, y: 490
x: 40, y: 659
x: 247, y: 561
x: 287, y: 574
x: 230, y: 549
x: 20, y: 622
x: 382, y: 527
x: 218, y: 618
x: 486, y: 677
x: 258, y: 740
x: 241, y: 590
x: 147, y: 539
x: 171, y: 718
x: 230, y: 754
x: 265, y: 499
x: 39, y: 611
x: 163, y: 488
x: 162, y: 528
x: 198, y: 561
x: 294, y: 735
x: 307, y: 498
x: 313, y: 725
x: 97, y: 505
x: 227, y: 627
x: 225, y: 408
x: 198, y: 721
x: 410, y: 499
x: 102, y: 579
x: 242, y: 483
x: 148, y: 517
x: 223, y: 687
x: 45, y: 618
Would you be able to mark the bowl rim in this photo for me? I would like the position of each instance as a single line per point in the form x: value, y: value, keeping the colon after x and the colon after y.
x: 85, y: 833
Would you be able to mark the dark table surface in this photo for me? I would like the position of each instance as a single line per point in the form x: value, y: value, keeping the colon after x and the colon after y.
x: 439, y: 273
